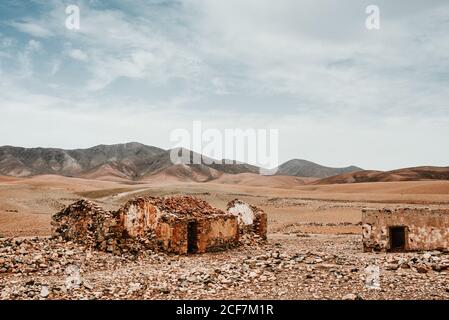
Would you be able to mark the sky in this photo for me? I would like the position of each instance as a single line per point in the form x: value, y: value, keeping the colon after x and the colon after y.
x: 337, y: 92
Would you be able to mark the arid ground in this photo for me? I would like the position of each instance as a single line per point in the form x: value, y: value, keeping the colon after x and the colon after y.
x: 313, y: 251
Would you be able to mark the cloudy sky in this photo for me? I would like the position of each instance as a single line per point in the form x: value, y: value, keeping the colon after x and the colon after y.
x: 338, y: 93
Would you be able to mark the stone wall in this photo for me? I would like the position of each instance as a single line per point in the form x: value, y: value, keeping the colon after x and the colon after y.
x: 425, y: 229
x: 85, y: 222
x: 149, y: 223
x: 171, y: 236
x: 139, y: 216
x: 217, y: 233
x: 251, y: 219
x: 212, y: 234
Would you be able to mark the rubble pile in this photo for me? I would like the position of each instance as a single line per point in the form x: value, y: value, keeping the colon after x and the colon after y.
x: 86, y: 223
x: 422, y: 263
x: 46, y: 255
x: 83, y: 220
x: 183, y: 206
x: 45, y: 268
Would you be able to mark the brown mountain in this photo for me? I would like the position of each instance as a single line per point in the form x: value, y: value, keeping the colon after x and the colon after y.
x: 129, y: 158
x: 304, y: 168
x: 407, y: 174
x: 138, y: 162
x: 130, y: 161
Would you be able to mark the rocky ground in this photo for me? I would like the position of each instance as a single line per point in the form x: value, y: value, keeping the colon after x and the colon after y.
x: 288, y: 266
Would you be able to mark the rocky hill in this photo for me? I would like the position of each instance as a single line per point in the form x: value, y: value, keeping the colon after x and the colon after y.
x: 407, y: 174
x: 304, y: 168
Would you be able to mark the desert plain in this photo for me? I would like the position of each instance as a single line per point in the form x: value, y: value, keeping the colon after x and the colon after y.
x: 313, y: 251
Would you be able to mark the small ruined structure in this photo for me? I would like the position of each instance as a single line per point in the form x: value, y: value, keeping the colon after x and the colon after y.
x: 178, y: 224
x: 405, y: 229
x: 251, y: 219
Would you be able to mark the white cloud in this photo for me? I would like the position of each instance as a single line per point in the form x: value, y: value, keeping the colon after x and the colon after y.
x: 116, y: 45
x: 78, y: 54
x: 321, y: 54
x: 108, y: 69
x: 25, y: 60
x: 32, y: 29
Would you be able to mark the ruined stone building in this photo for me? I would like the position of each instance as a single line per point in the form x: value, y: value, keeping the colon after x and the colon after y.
x: 405, y: 229
x: 179, y: 224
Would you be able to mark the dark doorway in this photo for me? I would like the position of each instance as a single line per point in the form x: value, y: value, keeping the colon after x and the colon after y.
x: 397, y: 238
x: 192, y: 237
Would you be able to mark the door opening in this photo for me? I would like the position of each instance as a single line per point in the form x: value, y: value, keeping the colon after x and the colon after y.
x: 192, y: 237
x: 397, y: 238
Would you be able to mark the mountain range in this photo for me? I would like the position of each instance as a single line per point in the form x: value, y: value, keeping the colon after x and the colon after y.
x: 136, y: 161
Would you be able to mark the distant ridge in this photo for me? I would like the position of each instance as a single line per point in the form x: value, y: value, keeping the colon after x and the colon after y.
x: 406, y: 174
x: 138, y: 162
x: 304, y: 168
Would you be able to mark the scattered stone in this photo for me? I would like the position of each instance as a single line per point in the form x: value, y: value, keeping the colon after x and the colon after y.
x: 392, y: 266
x: 87, y: 285
x: 265, y: 271
x: 44, y: 292
x: 422, y: 269
x: 133, y: 287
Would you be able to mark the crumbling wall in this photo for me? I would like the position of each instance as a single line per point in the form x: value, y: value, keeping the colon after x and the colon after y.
x: 251, y: 219
x: 217, y: 233
x: 213, y: 233
x: 260, y: 224
x: 139, y: 216
x: 171, y: 236
x: 242, y: 211
x: 426, y: 229
x: 85, y: 222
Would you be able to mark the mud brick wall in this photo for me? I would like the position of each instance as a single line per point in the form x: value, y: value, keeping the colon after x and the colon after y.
x: 217, y: 233
x: 171, y: 236
x: 212, y: 234
x: 425, y: 229
x: 139, y: 216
